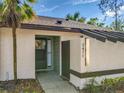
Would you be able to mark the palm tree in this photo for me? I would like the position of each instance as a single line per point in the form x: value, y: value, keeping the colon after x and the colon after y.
x: 82, y: 19
x: 95, y: 22
x: 92, y: 21
x: 13, y: 12
x: 76, y: 17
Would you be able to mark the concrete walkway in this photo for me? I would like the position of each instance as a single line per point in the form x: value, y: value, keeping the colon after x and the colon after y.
x: 52, y: 83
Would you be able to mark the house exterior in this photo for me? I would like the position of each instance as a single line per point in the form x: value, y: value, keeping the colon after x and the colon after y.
x: 76, y: 51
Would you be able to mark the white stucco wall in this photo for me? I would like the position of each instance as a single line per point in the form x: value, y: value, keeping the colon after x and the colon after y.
x: 76, y: 60
x: 75, y: 54
x: 26, y: 55
x: 25, y: 51
x: 101, y: 56
x: 105, y: 55
x: 6, y: 66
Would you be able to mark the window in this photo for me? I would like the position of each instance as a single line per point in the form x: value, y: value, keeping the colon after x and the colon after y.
x: 40, y: 44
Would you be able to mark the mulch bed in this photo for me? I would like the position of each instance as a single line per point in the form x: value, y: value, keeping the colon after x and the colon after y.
x: 21, y: 86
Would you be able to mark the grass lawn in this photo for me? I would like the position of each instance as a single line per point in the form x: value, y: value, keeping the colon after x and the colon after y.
x: 21, y: 86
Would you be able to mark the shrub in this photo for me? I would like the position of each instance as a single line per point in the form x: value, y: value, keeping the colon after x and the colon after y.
x: 92, y: 86
x: 107, y: 85
x: 111, y: 85
x: 21, y: 86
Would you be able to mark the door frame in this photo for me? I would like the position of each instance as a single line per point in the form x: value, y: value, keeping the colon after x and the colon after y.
x: 60, y: 56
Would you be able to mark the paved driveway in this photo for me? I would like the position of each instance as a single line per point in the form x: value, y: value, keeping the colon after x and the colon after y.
x: 52, y: 83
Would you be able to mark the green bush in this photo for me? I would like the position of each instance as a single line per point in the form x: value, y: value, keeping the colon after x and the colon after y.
x: 113, y: 84
x: 107, y: 85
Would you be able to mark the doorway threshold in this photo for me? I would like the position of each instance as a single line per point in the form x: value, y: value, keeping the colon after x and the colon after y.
x: 39, y: 70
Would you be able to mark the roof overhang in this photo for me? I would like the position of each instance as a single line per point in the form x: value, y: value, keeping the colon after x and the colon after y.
x: 46, y: 27
x: 104, y: 35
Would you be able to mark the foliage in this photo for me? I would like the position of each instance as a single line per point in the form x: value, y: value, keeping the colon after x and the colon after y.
x: 92, y: 21
x: 107, y: 85
x: 120, y: 25
x: 111, y: 6
x: 95, y: 21
x: 22, y: 86
x: 92, y: 86
x: 111, y: 85
x: 15, y: 11
x: 76, y: 17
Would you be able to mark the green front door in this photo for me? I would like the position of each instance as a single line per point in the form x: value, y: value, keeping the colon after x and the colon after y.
x: 40, y: 53
x: 66, y: 59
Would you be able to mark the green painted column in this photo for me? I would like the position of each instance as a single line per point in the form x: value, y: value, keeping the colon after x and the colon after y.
x: 56, y: 54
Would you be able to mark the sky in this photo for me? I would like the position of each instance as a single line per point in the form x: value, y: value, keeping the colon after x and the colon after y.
x: 60, y: 8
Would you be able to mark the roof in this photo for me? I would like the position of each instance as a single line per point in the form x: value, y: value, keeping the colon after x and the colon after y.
x: 51, y: 21
x: 101, y: 35
x: 60, y: 24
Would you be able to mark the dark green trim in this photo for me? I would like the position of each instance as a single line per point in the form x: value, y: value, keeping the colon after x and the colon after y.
x: 96, y: 73
x: 49, y: 28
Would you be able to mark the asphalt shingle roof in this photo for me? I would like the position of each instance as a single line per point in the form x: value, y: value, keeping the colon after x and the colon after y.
x: 101, y: 35
x: 50, y: 21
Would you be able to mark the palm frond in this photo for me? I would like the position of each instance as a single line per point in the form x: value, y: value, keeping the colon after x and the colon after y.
x: 31, y: 1
x: 15, y: 12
